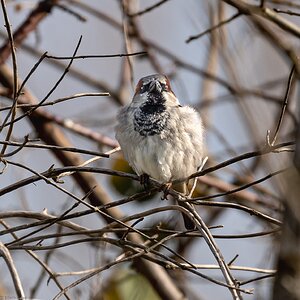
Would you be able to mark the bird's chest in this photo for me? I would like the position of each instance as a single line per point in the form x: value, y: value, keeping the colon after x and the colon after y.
x: 149, y: 120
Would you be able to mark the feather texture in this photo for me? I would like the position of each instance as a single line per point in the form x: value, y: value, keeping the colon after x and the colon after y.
x: 157, y: 135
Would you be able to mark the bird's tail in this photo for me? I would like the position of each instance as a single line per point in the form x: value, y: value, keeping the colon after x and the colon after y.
x: 182, y: 188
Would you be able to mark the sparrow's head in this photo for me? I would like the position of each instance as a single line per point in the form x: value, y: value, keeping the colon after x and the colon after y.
x: 154, y: 89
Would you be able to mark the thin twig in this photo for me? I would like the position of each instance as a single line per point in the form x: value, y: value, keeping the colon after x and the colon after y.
x: 25, y: 144
x: 33, y: 69
x: 75, y: 127
x: 197, y: 36
x: 251, y: 211
x: 287, y: 12
x: 237, y: 268
x: 13, y: 110
x: 247, y: 155
x: 21, y: 146
x: 257, y: 278
x: 59, y: 100
x: 71, y: 12
x: 284, y: 105
x: 58, y: 177
x: 98, y: 56
x: 148, y: 9
x: 52, y: 89
x: 243, y: 187
x: 65, y: 213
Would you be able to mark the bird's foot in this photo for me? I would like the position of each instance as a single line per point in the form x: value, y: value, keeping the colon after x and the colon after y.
x: 144, y: 180
x: 165, y: 188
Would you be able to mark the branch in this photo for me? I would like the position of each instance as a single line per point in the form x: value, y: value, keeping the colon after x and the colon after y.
x: 266, y: 13
x: 53, y: 147
x: 148, y: 9
x: 39, y: 261
x: 30, y: 111
x: 98, y: 56
x: 243, y: 187
x: 59, y: 100
x: 42, y: 10
x: 4, y: 252
x: 284, y: 106
x: 220, y: 24
x: 201, y: 226
x: 251, y: 211
x: 265, y: 150
x: 13, y: 109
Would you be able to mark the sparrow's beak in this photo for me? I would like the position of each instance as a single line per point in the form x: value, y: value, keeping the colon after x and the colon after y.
x: 155, y: 86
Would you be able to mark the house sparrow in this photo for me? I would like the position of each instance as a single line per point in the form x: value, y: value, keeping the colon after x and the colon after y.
x: 159, y: 137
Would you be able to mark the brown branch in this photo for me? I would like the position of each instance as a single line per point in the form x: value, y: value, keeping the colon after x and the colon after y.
x: 208, y: 86
x: 253, y: 12
x: 5, y: 253
x: 266, y: 13
x: 42, y: 10
x: 69, y: 124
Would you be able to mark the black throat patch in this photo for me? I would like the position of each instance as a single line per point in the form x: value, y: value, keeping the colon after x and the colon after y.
x: 152, y: 117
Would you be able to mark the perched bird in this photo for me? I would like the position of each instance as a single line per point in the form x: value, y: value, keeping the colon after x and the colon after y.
x: 159, y: 137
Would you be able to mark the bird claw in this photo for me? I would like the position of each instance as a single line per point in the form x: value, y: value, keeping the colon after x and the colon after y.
x: 165, y: 188
x: 144, y: 180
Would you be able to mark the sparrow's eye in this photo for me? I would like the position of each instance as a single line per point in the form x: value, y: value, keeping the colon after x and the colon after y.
x: 164, y: 87
x: 144, y: 88
x: 141, y: 87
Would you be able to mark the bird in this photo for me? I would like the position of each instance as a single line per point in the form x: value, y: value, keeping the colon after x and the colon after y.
x: 159, y: 137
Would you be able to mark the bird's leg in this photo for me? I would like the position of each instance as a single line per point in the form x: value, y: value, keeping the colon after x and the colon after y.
x: 144, y: 180
x: 165, y: 188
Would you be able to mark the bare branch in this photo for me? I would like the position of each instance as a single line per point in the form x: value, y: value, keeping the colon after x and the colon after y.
x: 284, y: 106
x: 4, y: 252
x: 198, y: 36
x: 141, y: 53
x: 13, y: 109
x: 148, y: 9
